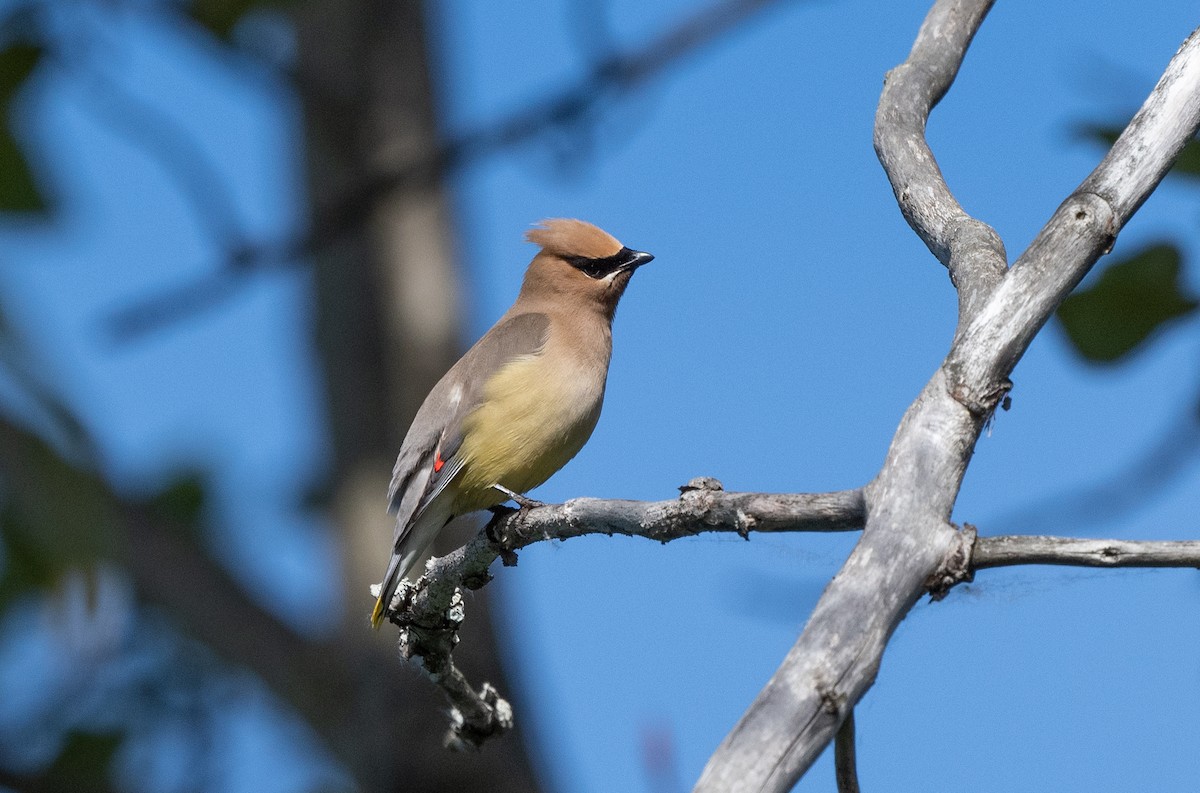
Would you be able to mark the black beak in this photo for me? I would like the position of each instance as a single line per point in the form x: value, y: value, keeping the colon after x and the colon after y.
x: 635, y: 259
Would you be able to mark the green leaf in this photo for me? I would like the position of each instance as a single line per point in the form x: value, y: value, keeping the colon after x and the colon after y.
x: 18, y: 189
x: 220, y: 17
x: 25, y: 568
x: 17, y: 62
x: 1127, y: 304
x: 1189, y: 159
x: 182, y: 501
x: 56, y: 516
x: 83, y: 764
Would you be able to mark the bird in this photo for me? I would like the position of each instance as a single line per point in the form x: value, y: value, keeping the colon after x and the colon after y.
x: 521, y: 402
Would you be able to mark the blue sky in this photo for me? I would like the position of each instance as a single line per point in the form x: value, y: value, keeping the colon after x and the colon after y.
x: 788, y: 320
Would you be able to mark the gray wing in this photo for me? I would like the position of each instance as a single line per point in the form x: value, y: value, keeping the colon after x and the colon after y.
x: 436, y: 432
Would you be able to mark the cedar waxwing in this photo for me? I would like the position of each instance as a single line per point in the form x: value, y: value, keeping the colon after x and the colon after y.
x: 521, y: 402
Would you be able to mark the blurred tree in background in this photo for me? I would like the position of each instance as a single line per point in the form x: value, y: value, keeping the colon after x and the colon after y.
x: 150, y: 641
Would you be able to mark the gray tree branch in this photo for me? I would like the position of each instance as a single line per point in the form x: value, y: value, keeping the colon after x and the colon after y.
x: 969, y: 248
x: 431, y: 611
x: 1083, y: 228
x: 908, y: 536
x: 702, y: 506
x: 1004, y: 551
x: 972, y: 553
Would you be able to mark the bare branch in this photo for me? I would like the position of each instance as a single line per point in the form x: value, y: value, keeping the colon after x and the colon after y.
x: 970, y: 249
x: 702, y: 507
x: 431, y: 611
x: 428, y: 641
x: 1082, y: 229
x: 1146, y: 150
x: 908, y: 536
x: 1005, y: 551
x: 844, y: 761
x: 974, y: 553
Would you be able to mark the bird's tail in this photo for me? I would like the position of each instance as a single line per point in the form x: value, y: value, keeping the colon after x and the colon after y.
x: 377, y: 613
x: 396, y: 569
x: 408, y: 551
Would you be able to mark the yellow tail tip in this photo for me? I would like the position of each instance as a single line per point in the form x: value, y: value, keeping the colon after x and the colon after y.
x: 377, y: 614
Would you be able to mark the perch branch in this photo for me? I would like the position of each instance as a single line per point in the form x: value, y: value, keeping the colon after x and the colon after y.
x: 430, y: 611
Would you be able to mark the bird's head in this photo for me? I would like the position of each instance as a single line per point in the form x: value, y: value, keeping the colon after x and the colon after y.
x: 580, y: 262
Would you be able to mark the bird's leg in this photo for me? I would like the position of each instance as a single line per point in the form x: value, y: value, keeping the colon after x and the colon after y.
x: 522, y: 501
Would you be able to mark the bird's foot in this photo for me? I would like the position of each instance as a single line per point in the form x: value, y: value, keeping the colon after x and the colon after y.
x: 508, y: 557
x: 499, y: 513
x: 522, y: 501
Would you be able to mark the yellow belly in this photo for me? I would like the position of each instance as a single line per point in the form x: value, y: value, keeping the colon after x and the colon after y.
x: 532, y: 421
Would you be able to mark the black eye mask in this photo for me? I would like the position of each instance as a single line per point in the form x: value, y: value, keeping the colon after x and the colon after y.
x: 624, y: 259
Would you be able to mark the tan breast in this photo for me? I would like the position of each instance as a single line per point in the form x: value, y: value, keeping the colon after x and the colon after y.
x: 537, y: 413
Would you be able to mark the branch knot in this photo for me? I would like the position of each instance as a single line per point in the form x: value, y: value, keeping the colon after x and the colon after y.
x: 955, y: 568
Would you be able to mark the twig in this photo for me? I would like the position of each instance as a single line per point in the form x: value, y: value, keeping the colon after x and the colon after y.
x: 703, y: 506
x: 844, y: 762
x: 974, y: 553
x: 428, y: 641
x: 1005, y: 551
